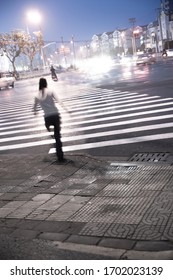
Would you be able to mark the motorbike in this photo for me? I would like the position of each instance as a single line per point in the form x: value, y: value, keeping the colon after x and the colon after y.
x: 54, y: 76
x: 164, y: 54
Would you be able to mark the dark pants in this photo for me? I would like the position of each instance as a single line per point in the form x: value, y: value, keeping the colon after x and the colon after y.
x: 55, y: 121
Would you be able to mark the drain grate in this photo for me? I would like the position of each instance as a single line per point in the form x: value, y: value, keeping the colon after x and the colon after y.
x: 122, y: 168
x: 150, y: 157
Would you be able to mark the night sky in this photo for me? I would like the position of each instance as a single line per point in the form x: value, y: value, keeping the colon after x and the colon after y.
x: 81, y: 18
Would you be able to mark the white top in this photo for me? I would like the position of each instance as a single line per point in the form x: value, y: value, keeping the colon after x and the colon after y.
x: 47, y: 102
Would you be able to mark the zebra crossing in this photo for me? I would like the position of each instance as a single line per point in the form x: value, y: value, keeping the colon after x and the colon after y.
x: 98, y: 118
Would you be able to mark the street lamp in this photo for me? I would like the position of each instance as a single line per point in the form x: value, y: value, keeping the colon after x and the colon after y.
x: 122, y: 35
x: 136, y: 34
x: 33, y: 17
x: 45, y: 46
x: 132, y: 21
x: 74, y: 51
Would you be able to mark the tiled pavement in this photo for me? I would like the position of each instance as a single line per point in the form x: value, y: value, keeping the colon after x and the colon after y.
x: 87, y: 201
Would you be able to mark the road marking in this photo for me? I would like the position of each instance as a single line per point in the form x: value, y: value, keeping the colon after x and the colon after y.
x: 106, y: 108
x: 90, y: 135
x: 92, y: 115
x: 132, y: 140
x: 100, y: 144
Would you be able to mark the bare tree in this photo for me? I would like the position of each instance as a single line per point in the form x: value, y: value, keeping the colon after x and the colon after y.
x: 12, y: 45
x: 32, y: 46
x: 19, y: 42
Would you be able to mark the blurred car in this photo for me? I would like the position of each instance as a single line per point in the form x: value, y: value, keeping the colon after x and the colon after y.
x: 127, y: 59
x: 169, y: 52
x: 6, y: 80
x: 143, y: 59
x: 60, y: 69
x: 116, y: 59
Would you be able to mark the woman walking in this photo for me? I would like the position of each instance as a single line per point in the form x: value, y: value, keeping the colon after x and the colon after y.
x: 46, y: 100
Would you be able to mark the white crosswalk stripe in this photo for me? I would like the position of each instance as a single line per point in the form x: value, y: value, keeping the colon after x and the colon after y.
x: 98, y: 118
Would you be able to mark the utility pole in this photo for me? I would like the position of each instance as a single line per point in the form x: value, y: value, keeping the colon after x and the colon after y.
x: 132, y: 21
x: 74, y: 51
x: 63, y: 47
x: 160, y: 25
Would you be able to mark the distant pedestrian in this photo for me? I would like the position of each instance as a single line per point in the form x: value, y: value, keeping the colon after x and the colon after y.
x: 53, y: 73
x: 46, y: 100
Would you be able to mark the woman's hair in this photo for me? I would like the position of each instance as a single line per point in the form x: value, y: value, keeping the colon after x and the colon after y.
x: 42, y: 83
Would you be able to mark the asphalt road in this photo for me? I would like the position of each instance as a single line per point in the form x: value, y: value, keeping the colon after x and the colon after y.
x: 152, y: 81
x: 24, y: 249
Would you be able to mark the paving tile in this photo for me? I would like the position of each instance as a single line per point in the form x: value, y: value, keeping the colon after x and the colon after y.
x: 88, y: 192
x: 3, y: 203
x: 90, y: 199
x: 156, y: 216
x: 8, y: 196
x: 55, y: 202
x: 83, y: 240
x: 49, y: 226
x: 148, y: 232
x: 82, y: 200
x: 5, y: 189
x: 63, y: 215
x: 55, y: 190
x: 53, y: 236
x: 18, y: 214
x: 25, y: 196
x: 27, y: 224
x: 39, y: 214
x: 74, y: 227
x: 25, y: 209
x: 42, y: 197
x: 130, y: 218
x: 153, y: 246
x: 95, y: 229
x: 69, y: 192
x: 37, y: 190
x: 14, y: 204
x: 117, y: 243
x: 168, y: 230
x: 98, y: 209
x: 21, y: 189
x: 10, y: 222
x: 4, y: 212
x: 9, y: 208
x: 121, y: 230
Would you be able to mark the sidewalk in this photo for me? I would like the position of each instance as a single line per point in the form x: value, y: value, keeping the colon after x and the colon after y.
x: 121, y: 207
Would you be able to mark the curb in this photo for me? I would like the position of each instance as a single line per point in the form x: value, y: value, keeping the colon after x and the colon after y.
x: 118, y: 254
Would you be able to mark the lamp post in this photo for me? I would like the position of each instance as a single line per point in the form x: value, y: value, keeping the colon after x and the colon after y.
x: 122, y: 34
x: 34, y: 17
x: 132, y: 21
x: 45, y: 46
x: 74, y: 51
x: 63, y: 50
x: 136, y: 34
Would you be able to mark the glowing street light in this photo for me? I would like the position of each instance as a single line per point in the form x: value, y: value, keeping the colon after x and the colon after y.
x: 74, y: 51
x: 43, y: 56
x: 33, y: 17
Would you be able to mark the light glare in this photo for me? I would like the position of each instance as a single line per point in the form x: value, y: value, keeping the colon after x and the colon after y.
x: 34, y: 16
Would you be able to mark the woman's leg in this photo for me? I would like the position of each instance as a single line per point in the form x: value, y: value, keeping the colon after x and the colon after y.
x: 57, y: 135
x: 55, y: 121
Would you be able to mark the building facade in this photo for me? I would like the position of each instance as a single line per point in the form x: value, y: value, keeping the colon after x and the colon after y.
x: 154, y: 36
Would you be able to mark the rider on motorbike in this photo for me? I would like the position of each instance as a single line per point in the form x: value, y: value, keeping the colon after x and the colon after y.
x: 53, y: 73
